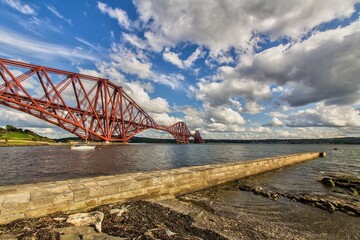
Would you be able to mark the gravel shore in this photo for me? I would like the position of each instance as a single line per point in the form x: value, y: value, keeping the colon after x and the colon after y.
x: 205, y: 214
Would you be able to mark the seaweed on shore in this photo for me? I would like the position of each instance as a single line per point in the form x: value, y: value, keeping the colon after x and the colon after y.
x: 148, y: 220
x: 35, y: 228
x: 143, y: 220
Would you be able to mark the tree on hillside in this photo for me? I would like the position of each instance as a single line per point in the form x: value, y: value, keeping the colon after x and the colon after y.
x: 10, y: 128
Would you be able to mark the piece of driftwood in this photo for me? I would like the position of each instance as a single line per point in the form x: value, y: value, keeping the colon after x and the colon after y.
x: 87, y: 219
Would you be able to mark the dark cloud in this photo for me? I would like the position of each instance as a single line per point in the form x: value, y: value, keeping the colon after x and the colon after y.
x: 324, y: 67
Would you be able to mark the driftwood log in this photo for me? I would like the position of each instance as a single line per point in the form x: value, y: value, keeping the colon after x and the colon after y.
x: 87, y: 219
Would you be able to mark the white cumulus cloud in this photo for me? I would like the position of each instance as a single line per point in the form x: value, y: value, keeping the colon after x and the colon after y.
x: 275, y: 122
x: 220, y: 25
x: 116, y: 13
x: 325, y: 116
x: 323, y: 67
x: 175, y: 59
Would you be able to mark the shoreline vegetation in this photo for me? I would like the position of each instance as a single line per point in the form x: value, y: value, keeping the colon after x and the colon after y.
x: 12, y: 136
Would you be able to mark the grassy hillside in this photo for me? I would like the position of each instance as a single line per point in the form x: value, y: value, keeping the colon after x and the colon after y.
x: 13, y: 134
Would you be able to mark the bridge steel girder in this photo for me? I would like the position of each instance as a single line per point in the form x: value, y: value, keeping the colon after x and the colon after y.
x: 78, y: 103
x: 180, y: 132
x: 198, y: 138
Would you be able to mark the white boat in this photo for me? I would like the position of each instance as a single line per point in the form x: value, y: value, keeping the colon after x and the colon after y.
x: 82, y: 146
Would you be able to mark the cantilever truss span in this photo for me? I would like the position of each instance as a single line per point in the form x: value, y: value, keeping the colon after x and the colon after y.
x: 78, y: 103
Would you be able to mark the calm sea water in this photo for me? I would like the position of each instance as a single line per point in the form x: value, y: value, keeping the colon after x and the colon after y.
x: 48, y: 163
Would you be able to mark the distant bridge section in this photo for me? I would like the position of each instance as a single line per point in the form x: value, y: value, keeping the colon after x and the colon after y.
x: 81, y: 104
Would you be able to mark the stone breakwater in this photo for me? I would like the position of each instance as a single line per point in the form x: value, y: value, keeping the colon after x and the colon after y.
x: 38, y: 199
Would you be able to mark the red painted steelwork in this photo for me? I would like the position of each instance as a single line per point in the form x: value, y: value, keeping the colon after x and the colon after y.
x: 77, y: 103
x: 180, y: 132
x: 198, y: 138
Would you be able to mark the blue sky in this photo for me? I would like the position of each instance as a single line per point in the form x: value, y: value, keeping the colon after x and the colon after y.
x: 231, y: 69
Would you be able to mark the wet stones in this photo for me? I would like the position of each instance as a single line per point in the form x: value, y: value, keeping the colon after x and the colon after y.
x: 325, y: 202
x: 343, y: 183
x: 78, y: 233
x: 331, y: 208
x: 260, y: 191
x: 327, y: 182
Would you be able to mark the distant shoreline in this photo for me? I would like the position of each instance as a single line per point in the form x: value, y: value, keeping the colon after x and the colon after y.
x: 12, y: 136
x: 58, y: 142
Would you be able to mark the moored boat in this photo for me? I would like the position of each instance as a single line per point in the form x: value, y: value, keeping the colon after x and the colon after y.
x: 82, y: 147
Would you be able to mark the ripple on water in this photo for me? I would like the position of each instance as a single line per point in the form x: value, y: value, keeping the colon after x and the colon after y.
x: 44, y: 163
x: 284, y: 213
x: 48, y: 163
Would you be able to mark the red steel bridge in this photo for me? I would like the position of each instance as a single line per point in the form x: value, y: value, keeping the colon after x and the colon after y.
x: 81, y: 104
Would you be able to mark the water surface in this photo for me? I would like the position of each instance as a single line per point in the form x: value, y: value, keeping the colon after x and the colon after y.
x: 48, y: 163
